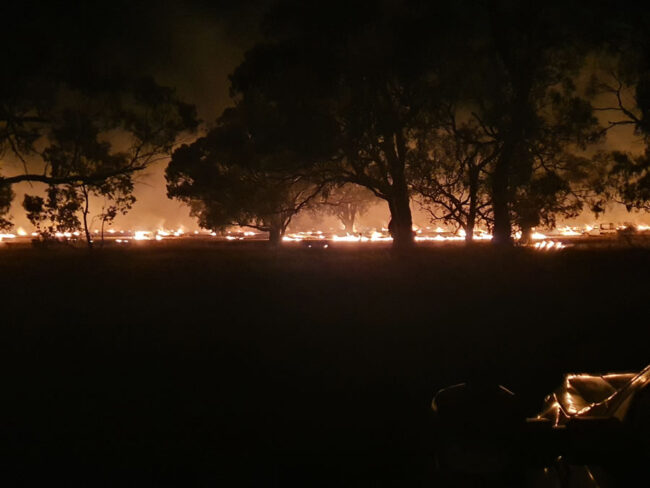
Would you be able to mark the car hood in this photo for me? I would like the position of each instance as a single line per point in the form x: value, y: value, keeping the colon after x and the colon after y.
x: 592, y: 395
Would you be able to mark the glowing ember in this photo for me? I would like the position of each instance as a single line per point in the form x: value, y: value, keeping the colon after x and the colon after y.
x: 549, y: 245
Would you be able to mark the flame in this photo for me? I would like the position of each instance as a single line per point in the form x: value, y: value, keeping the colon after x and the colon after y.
x: 421, y: 234
x: 378, y: 237
x: 142, y: 235
x: 568, y: 231
x: 347, y: 238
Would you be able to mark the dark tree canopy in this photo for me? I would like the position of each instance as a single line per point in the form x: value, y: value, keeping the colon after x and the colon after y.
x: 77, y: 110
x: 228, y: 178
x: 363, y: 92
x: 351, y: 88
x: 450, y: 180
x: 91, y: 140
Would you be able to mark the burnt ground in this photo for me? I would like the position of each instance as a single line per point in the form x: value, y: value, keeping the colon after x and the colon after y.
x: 193, y: 365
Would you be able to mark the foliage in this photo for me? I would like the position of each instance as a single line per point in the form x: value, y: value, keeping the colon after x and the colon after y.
x: 523, y: 95
x: 227, y: 179
x: 90, y: 140
x: 450, y: 180
x: 346, y: 203
x: 57, y: 213
x: 625, y: 179
x: 371, y: 101
x: 349, y: 94
x: 6, y: 196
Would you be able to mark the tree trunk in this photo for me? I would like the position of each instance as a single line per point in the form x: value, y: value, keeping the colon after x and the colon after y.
x: 526, y: 234
x: 275, y: 236
x: 473, y: 203
x: 401, y: 222
x: 500, y: 200
x: 347, y: 217
x: 469, y: 234
x: 89, y: 239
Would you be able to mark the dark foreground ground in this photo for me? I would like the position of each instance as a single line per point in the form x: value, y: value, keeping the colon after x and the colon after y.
x: 237, y: 365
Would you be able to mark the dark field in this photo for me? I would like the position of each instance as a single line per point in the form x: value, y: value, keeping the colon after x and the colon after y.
x: 169, y: 365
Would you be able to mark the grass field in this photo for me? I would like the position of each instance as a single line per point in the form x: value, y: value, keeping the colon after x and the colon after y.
x: 187, y: 365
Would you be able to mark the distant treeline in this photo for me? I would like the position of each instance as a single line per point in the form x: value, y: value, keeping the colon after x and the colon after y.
x: 492, y: 113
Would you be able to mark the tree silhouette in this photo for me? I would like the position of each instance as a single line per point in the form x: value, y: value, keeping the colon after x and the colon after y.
x: 6, y: 196
x: 91, y: 140
x: 363, y: 100
x: 523, y: 93
x: 346, y: 203
x: 350, y: 94
x: 58, y: 213
x: 451, y: 177
x: 622, y: 83
x: 229, y: 179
